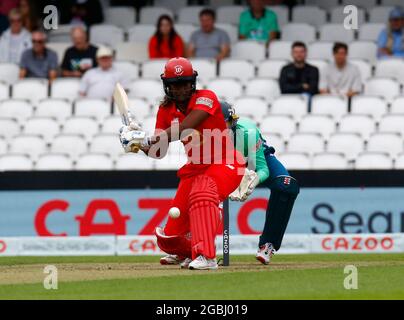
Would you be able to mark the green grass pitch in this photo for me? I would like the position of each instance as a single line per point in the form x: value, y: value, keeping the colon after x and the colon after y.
x: 321, y: 276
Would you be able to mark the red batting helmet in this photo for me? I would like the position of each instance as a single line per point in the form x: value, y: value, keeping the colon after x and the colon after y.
x: 178, y: 69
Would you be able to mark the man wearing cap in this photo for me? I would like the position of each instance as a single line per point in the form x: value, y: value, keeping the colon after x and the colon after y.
x: 100, y: 82
x: 391, y: 40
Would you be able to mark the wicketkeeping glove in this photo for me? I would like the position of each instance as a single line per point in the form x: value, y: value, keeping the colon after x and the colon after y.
x: 247, y: 185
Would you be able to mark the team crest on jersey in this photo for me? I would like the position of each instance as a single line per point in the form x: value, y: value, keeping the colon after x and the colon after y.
x: 205, y: 101
x: 178, y: 70
x: 286, y: 181
x: 258, y: 145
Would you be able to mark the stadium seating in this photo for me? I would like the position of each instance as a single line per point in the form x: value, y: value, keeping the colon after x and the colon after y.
x: 46, y: 127
x: 306, y: 143
x: 227, y: 88
x: 81, y: 134
x: 295, y: 160
x: 54, y: 162
x: 106, y: 143
x: 31, y: 144
x: 271, y: 68
x: 284, y: 125
x: 141, y: 33
x: 60, y: 109
x: 280, y: 49
x: 253, y: 107
x: 369, y: 105
x: 189, y: 14
x: 9, y: 72
x: 321, y: 124
x: 293, y: 105
x: 298, y: 32
x: 248, y: 50
x: 96, y: 108
x: 136, y: 161
x: 94, y: 161
x: 390, y: 68
x: 349, y: 144
x: 241, y: 70
x: 4, y: 90
x: 9, y: 127
x: 366, y: 50
x: 309, y: 14
x: 106, y: 34
x: 263, y: 87
x: 336, y: 32
x: 370, y: 31
x: 129, y: 69
x: 390, y: 143
x: 363, y: 124
x: 71, y: 144
x: 379, y: 14
x: 122, y: 17
x: 17, y: 109
x: 131, y: 52
x: 334, y: 106
x: 385, y: 87
x: 66, y: 88
x: 81, y: 125
x: 374, y: 161
x: 229, y: 14
x: 392, y: 123
x: 16, y: 162
x: 30, y: 89
x: 329, y: 161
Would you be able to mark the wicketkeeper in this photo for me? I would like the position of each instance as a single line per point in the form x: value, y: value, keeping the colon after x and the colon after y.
x: 268, y: 171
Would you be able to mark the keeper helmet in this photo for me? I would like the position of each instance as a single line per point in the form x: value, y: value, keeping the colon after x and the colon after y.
x: 229, y: 113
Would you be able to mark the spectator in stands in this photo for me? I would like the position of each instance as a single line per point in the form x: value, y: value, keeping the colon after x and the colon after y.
x: 5, y: 8
x: 15, y: 40
x: 30, y: 15
x: 166, y: 43
x: 391, y: 40
x: 209, y: 42
x: 341, y: 77
x: 78, y: 12
x: 81, y: 56
x: 258, y: 23
x: 100, y: 82
x: 39, y: 61
x: 299, y: 76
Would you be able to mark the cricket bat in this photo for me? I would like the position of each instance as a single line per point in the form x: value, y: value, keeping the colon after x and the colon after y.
x: 122, y: 103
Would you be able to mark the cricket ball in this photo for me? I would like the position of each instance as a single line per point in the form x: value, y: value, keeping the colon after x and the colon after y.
x: 174, y: 212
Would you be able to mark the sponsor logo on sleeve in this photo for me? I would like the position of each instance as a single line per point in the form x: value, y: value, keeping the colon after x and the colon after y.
x: 205, y: 101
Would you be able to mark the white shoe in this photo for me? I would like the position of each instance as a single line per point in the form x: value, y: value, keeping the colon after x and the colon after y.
x: 201, y: 263
x: 170, y: 259
x: 265, y: 253
x: 185, y: 263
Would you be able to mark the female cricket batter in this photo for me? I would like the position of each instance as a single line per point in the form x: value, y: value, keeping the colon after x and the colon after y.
x: 268, y: 171
x: 210, y: 174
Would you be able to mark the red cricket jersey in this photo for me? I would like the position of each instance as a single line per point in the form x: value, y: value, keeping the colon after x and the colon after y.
x: 210, y: 143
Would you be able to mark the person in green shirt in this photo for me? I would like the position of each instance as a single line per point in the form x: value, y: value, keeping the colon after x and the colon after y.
x: 258, y: 23
x: 267, y: 170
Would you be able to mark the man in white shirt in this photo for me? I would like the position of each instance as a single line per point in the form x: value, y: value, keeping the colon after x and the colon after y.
x: 100, y: 82
x: 341, y: 77
x: 15, y: 40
